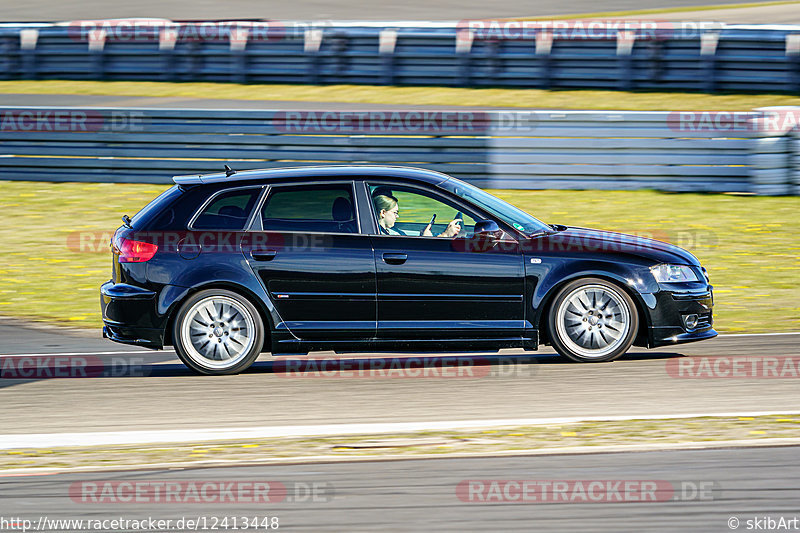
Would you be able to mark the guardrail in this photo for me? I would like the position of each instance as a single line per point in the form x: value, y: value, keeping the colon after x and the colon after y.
x: 647, y: 55
x: 680, y: 151
x: 624, y: 150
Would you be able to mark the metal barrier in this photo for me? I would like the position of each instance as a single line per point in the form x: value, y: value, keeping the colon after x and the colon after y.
x: 152, y: 145
x: 615, y: 55
x: 679, y: 151
x: 625, y: 150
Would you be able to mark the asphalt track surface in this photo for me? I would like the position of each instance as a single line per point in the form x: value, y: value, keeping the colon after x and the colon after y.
x: 137, y: 389
x: 421, y: 495
x: 43, y: 10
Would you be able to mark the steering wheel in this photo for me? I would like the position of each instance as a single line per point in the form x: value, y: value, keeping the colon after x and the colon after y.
x: 459, y: 216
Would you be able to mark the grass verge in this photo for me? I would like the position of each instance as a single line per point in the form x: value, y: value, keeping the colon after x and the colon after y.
x: 434, y: 96
x: 429, y: 443
x: 55, y: 238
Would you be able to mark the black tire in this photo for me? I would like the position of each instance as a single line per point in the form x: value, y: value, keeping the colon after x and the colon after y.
x: 580, y: 311
x: 233, y: 327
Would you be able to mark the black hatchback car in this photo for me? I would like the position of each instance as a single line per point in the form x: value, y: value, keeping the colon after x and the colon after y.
x: 359, y: 258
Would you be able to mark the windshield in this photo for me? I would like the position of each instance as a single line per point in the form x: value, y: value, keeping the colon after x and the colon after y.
x: 513, y: 216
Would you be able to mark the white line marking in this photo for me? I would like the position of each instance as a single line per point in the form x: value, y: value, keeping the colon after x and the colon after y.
x: 167, y: 352
x: 112, y: 438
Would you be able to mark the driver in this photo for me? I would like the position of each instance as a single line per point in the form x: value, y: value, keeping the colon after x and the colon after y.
x: 388, y: 212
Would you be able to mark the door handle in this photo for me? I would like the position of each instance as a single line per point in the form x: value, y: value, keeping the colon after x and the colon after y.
x: 394, y: 259
x: 263, y: 255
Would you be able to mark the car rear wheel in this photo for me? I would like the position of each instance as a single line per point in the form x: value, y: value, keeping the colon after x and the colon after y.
x: 592, y: 320
x: 218, y: 332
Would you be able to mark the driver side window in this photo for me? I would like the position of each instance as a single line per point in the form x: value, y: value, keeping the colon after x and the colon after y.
x: 406, y: 211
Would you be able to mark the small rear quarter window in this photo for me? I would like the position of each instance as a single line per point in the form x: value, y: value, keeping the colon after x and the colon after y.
x: 228, y: 210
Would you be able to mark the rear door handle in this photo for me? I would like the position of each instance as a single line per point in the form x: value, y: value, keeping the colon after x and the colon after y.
x: 263, y: 255
x: 394, y: 259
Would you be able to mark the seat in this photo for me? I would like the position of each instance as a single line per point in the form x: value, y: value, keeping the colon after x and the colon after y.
x: 232, y: 217
x: 342, y: 214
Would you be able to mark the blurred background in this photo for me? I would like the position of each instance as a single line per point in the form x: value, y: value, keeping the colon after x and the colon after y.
x: 669, y: 120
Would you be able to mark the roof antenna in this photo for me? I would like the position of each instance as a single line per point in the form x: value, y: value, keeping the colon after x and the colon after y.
x: 229, y: 171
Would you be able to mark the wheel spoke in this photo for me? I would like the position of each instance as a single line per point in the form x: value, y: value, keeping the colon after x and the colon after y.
x: 234, y: 339
x: 223, y: 347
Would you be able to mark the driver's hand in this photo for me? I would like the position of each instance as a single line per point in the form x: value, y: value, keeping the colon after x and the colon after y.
x: 453, y: 229
x: 427, y: 231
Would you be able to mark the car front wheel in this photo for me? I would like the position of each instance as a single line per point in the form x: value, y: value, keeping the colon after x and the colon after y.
x: 592, y: 320
x: 218, y: 332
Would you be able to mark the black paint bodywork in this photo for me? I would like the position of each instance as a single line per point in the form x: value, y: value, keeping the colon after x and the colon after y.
x: 366, y: 291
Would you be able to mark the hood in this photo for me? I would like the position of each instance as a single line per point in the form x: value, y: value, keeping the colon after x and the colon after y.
x: 574, y: 239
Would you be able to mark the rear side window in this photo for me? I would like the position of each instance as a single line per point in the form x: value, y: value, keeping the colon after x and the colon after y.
x: 228, y: 210
x: 313, y: 208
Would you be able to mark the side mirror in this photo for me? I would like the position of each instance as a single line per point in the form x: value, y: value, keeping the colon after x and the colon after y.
x: 487, y: 229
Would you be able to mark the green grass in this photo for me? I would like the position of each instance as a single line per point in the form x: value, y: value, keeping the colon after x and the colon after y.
x: 39, y: 276
x: 437, y: 96
x: 749, y: 244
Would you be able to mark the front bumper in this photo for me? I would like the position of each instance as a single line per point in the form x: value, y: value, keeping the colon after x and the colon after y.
x: 668, y: 317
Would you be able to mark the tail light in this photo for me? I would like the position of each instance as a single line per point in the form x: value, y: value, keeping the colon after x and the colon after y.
x: 131, y: 251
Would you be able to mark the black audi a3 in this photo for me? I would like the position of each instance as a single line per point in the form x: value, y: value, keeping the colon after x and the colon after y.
x: 363, y: 258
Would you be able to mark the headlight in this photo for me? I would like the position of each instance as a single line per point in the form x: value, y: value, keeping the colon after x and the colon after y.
x: 673, y: 273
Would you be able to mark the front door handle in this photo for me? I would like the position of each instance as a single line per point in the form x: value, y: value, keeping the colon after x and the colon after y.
x: 394, y: 259
x: 263, y: 255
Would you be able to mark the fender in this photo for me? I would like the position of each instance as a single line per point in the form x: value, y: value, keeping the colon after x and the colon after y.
x: 218, y: 276
x: 551, y: 276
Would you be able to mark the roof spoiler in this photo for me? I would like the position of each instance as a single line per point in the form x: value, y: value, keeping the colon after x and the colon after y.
x: 196, y: 179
